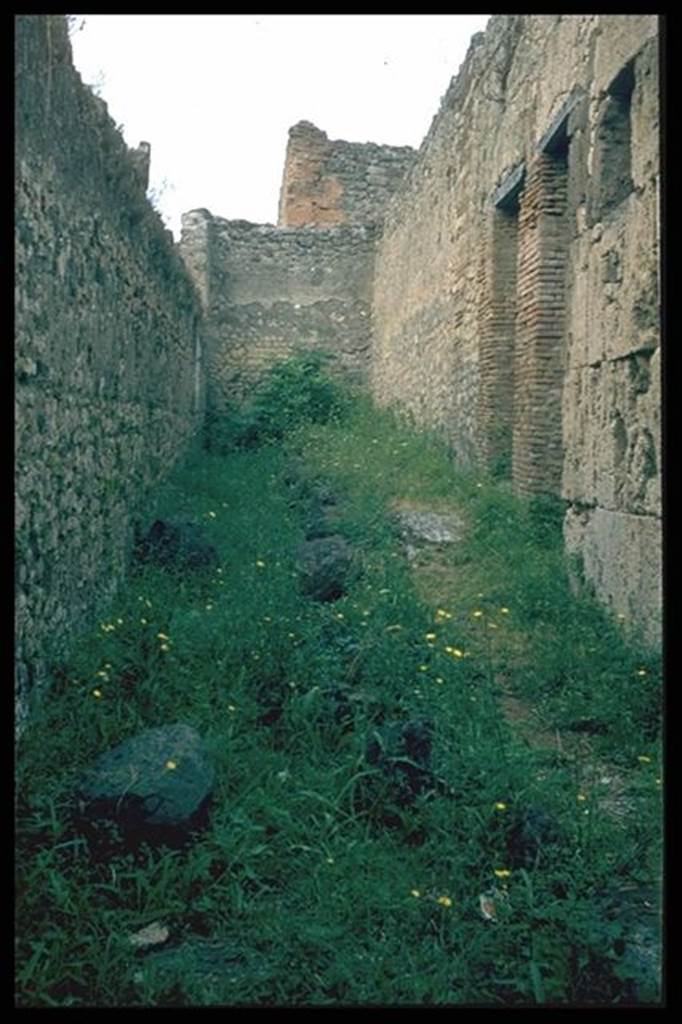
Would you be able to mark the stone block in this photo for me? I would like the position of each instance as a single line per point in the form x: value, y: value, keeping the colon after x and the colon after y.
x: 156, y: 783
x: 621, y: 556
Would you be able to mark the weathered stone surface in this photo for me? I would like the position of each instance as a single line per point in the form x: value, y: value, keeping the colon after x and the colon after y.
x: 177, y: 546
x: 274, y: 291
x: 621, y: 558
x: 335, y: 182
x: 324, y: 564
x: 159, y: 780
x: 425, y: 527
x: 528, y: 334
x: 110, y: 386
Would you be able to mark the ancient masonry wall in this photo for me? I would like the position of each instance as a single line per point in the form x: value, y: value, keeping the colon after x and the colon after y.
x: 305, y: 284
x: 269, y: 292
x: 329, y: 182
x: 516, y: 301
x: 109, y: 381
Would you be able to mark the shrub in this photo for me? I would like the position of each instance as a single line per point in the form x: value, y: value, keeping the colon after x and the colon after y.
x: 295, y: 392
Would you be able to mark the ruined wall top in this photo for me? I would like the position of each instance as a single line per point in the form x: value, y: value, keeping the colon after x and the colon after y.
x: 332, y: 182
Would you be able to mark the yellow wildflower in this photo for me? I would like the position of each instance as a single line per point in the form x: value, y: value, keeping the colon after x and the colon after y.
x: 164, y: 647
x: 211, y: 514
x: 444, y: 901
x: 504, y: 611
x: 96, y: 693
x: 500, y: 806
x: 231, y: 708
x: 423, y: 668
x: 415, y: 892
x: 209, y: 606
x: 162, y: 636
x: 260, y: 563
x: 143, y: 622
x: 581, y: 798
x: 643, y: 759
x: 101, y: 674
x: 120, y: 621
x: 502, y: 872
x: 171, y: 765
x: 477, y: 614
x: 430, y: 637
x: 641, y: 671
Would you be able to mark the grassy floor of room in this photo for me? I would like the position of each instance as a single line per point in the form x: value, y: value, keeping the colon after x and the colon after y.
x: 326, y: 896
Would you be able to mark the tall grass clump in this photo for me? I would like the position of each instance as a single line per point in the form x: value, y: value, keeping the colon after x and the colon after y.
x: 502, y: 879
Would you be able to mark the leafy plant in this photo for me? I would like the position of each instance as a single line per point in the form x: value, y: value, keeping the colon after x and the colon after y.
x: 295, y: 392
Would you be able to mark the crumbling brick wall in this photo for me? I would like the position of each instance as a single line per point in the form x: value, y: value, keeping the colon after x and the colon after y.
x: 332, y: 182
x: 516, y: 284
x: 109, y: 384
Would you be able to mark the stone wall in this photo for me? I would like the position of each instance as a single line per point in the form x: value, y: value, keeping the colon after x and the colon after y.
x: 270, y: 291
x: 328, y: 182
x: 109, y: 383
x: 516, y: 305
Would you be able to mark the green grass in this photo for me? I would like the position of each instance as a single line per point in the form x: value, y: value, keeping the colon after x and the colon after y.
x: 308, y: 867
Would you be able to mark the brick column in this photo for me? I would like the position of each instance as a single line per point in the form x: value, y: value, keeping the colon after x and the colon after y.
x: 538, y: 364
x: 497, y: 312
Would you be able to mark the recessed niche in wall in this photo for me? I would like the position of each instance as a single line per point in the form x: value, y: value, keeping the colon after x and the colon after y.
x: 611, y: 168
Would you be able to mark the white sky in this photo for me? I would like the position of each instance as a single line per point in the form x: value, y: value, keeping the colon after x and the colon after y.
x: 215, y: 95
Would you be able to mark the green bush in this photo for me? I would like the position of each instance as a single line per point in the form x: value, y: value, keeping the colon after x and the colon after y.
x: 296, y: 392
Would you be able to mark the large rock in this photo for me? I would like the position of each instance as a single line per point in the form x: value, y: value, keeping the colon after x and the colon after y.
x: 425, y: 527
x: 215, y: 968
x: 324, y: 564
x: 533, y: 832
x: 157, y: 783
x: 637, y: 952
x: 176, y: 546
x: 402, y: 750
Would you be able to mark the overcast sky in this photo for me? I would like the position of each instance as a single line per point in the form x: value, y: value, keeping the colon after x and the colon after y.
x: 215, y: 95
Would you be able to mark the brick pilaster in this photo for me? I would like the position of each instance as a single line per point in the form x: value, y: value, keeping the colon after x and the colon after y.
x: 538, y: 364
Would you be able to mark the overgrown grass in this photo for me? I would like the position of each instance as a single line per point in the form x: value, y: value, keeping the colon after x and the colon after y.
x: 331, y: 893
